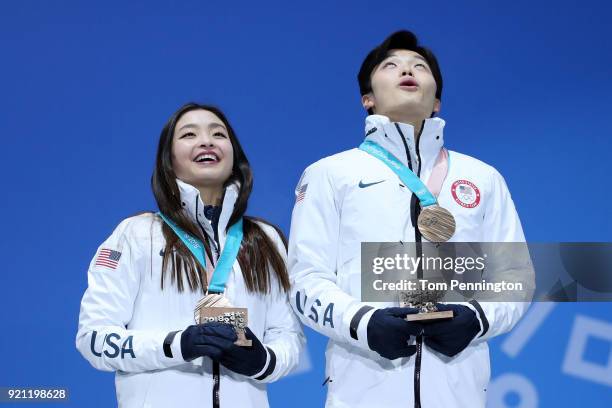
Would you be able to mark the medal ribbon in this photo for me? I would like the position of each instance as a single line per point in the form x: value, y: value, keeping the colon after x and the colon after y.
x: 227, y: 258
x: 438, y: 173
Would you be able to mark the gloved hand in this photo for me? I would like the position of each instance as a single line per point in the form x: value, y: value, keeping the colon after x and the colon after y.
x: 243, y: 360
x: 196, y: 339
x: 388, y: 332
x: 452, y: 336
x: 216, y: 340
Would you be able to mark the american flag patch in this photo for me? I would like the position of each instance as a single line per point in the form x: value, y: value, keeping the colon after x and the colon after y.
x: 108, y: 257
x: 301, y: 193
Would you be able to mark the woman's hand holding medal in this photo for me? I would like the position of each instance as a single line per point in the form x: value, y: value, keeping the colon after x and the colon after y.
x: 217, y: 341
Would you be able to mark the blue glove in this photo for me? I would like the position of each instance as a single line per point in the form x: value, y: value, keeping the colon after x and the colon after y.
x: 243, y: 360
x: 216, y: 340
x: 196, y: 339
x: 388, y: 332
x: 452, y: 336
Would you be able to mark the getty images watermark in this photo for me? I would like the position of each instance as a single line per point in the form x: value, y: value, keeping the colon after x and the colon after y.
x: 510, y: 272
x: 428, y: 264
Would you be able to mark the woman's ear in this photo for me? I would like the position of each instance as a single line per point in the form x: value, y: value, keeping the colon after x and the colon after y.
x: 436, y: 107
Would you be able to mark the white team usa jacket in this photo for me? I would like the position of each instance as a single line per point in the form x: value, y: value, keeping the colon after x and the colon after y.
x: 125, y: 317
x: 352, y: 197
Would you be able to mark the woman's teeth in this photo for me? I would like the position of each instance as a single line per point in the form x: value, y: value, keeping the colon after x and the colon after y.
x: 206, y: 158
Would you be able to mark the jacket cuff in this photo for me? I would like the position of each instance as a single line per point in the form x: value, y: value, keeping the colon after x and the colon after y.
x: 172, y: 346
x: 268, y: 368
x: 480, y: 315
x: 358, y: 325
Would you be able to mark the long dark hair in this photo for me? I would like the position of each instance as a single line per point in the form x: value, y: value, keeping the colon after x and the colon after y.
x: 257, y: 252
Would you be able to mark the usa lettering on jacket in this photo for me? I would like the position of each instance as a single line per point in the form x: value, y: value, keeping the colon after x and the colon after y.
x: 111, y: 340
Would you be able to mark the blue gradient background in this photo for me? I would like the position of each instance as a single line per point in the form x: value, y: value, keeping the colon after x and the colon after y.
x: 86, y: 88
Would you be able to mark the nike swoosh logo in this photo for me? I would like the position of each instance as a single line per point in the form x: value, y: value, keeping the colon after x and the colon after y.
x: 364, y: 185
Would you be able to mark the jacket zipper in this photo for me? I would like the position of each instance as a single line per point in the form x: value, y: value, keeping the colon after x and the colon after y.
x: 415, y: 210
x: 216, y: 384
x: 216, y: 369
x: 417, y: 372
x: 417, y: 239
x: 215, y: 364
x: 214, y: 242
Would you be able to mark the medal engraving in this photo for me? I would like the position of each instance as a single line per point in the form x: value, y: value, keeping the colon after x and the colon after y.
x: 425, y: 302
x: 216, y: 308
x: 436, y: 224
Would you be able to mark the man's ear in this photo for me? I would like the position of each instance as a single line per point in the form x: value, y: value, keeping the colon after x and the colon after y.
x: 367, y: 101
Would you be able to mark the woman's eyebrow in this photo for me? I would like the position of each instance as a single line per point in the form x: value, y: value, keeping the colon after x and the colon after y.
x: 215, y: 125
x: 189, y: 125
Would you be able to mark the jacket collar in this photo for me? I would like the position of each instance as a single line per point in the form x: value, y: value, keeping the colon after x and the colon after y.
x: 193, y: 207
x: 391, y: 136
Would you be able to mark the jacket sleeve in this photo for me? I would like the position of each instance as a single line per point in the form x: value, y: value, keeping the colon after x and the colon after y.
x: 283, y: 335
x: 313, y: 247
x: 107, y: 306
x: 502, y: 225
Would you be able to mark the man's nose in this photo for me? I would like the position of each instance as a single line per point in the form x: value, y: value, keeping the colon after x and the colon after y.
x: 407, y: 71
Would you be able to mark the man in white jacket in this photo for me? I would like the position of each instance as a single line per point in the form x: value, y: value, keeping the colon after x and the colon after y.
x: 374, y: 357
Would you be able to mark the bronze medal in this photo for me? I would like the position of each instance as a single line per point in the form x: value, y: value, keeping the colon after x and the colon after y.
x: 425, y: 301
x: 217, y: 308
x: 436, y: 224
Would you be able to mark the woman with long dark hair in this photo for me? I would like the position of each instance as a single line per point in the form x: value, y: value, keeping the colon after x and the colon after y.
x: 142, y: 314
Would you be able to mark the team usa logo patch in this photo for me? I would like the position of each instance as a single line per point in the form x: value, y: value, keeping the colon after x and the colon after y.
x: 465, y: 193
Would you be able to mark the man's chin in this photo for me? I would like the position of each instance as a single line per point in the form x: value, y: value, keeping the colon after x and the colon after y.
x: 408, y: 111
